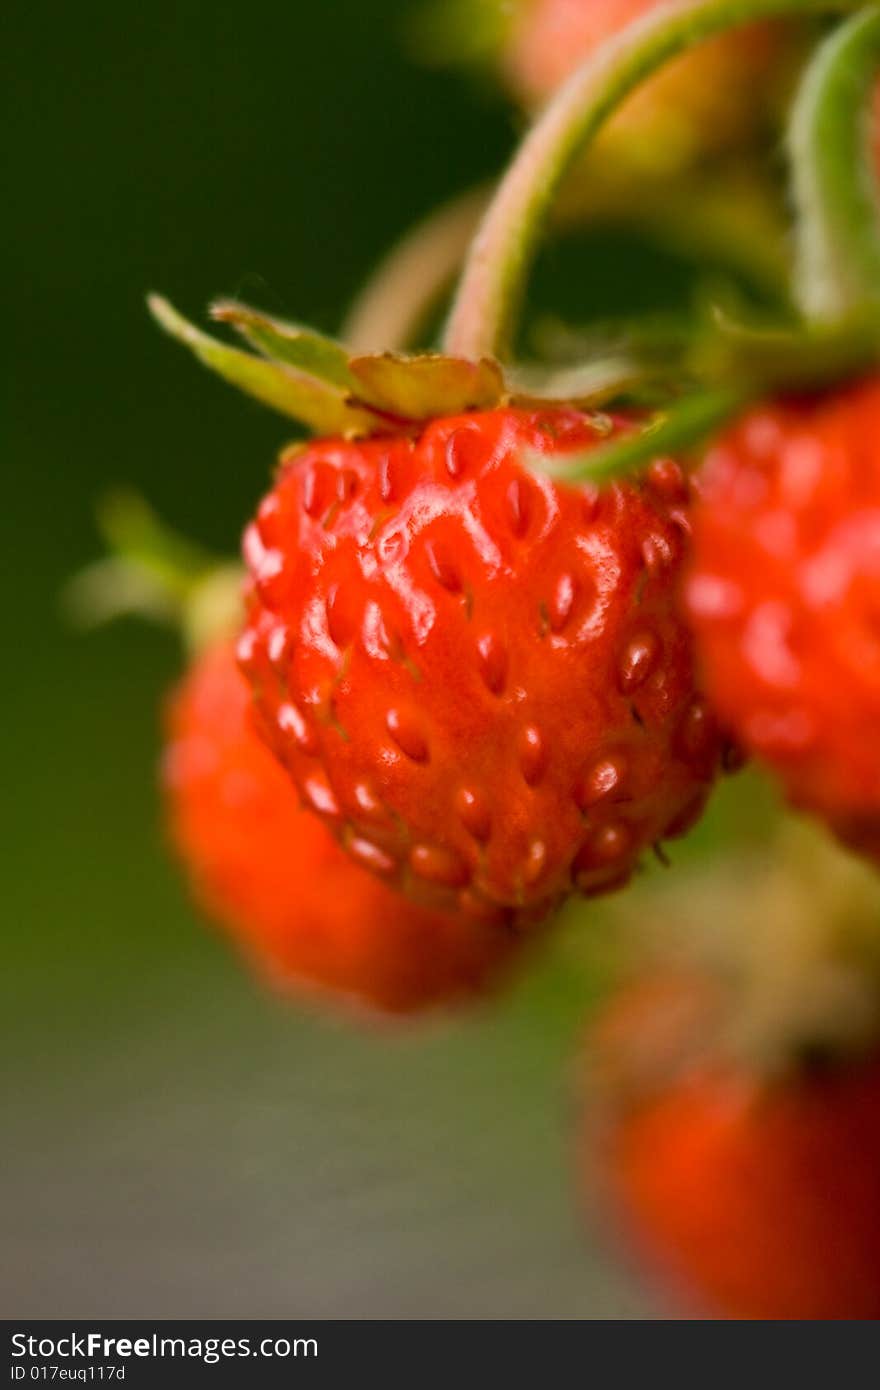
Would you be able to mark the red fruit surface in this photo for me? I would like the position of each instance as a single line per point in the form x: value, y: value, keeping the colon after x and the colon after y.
x: 785, y: 595
x: 758, y: 1199
x: 703, y: 99
x: 477, y: 676
x: 269, y: 871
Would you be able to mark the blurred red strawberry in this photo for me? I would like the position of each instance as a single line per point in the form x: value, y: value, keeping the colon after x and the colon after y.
x: 757, y: 1198
x: 784, y: 597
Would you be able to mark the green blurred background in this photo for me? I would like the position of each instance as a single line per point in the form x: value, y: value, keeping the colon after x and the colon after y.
x: 176, y: 1142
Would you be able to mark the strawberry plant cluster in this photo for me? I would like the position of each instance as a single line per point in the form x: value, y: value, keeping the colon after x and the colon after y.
x: 503, y: 625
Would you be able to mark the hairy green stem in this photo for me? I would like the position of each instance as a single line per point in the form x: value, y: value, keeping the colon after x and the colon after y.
x: 485, y: 311
x: 834, y: 173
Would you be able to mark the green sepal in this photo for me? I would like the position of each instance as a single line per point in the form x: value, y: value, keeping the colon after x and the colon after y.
x: 426, y: 386
x: 154, y: 572
x: 149, y: 570
x: 297, y: 394
x: 297, y: 346
x: 675, y: 432
x: 132, y: 531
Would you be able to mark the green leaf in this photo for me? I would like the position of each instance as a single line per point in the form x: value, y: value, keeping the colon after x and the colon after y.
x: 296, y: 394
x: 420, y: 388
x: 299, y: 347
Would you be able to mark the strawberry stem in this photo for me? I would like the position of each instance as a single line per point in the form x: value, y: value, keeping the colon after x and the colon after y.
x: 485, y: 311
x: 409, y: 283
x: 834, y: 171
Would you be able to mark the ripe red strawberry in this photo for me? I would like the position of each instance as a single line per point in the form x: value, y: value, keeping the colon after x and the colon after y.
x: 785, y: 596
x: 479, y: 677
x: 270, y: 872
x: 758, y: 1198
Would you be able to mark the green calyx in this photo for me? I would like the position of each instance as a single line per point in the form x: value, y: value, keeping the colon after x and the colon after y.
x: 312, y: 379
